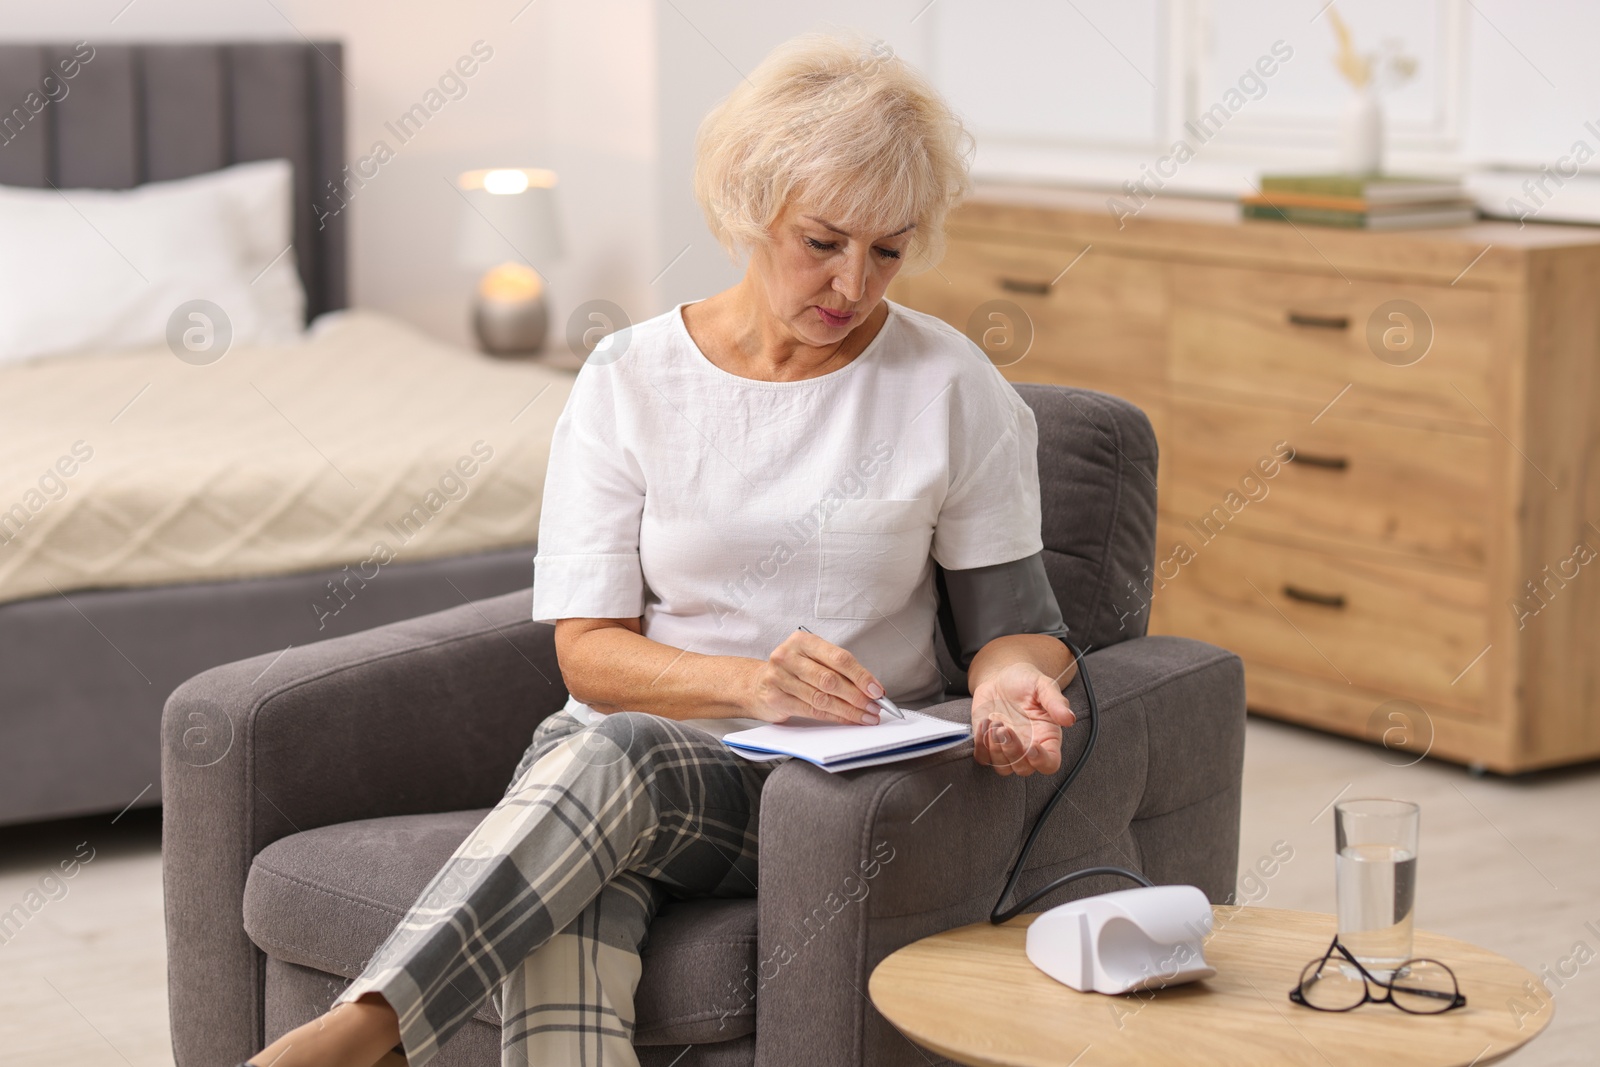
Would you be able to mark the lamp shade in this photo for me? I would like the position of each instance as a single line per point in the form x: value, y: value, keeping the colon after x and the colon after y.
x: 508, y: 214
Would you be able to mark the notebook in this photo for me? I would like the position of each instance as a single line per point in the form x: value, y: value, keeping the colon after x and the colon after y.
x: 839, y: 747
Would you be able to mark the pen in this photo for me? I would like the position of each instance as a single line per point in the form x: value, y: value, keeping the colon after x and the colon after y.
x: 885, y: 705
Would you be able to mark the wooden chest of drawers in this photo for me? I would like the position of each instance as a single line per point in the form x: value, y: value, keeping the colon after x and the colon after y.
x: 1380, y: 472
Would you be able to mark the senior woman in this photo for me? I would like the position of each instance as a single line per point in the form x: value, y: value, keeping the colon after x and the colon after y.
x: 793, y: 452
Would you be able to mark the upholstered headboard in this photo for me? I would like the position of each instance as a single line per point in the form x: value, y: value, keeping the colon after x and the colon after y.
x: 147, y: 112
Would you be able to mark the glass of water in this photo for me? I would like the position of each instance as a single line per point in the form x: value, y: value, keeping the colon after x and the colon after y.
x: 1376, y: 842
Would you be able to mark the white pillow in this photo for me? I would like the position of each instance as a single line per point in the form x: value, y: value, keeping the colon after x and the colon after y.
x: 95, y: 269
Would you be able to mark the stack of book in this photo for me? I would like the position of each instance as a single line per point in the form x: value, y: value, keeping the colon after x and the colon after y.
x: 1376, y: 202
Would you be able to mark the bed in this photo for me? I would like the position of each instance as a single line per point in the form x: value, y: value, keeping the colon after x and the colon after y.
x: 158, y: 517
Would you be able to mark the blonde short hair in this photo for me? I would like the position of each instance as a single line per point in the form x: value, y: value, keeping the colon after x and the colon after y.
x: 846, y: 125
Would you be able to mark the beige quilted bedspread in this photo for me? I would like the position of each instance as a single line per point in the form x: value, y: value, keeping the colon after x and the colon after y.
x: 367, y: 444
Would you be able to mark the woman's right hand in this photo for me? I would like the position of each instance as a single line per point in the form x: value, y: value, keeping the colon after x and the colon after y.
x: 811, y: 677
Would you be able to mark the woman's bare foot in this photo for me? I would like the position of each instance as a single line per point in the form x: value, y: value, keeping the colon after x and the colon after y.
x: 357, y: 1033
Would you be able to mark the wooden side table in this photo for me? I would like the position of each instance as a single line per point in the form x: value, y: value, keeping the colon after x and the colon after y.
x: 972, y: 995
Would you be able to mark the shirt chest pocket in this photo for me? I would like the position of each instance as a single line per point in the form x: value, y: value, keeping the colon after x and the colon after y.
x: 873, y: 557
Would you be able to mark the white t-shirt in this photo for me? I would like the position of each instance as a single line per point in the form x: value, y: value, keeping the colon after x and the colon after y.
x: 726, y: 512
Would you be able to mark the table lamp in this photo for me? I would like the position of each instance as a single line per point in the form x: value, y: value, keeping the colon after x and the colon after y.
x: 508, y: 220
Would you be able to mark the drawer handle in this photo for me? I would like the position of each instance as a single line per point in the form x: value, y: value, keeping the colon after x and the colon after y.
x: 1311, y: 459
x: 1319, y: 322
x: 1018, y: 285
x: 1306, y: 596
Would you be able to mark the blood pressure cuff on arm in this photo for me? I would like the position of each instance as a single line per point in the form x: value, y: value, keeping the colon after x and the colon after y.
x: 978, y: 605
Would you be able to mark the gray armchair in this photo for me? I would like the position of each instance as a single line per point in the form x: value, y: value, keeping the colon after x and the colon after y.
x: 309, y: 799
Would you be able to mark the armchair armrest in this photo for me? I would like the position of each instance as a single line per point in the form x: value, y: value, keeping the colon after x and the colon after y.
x: 855, y: 865
x: 429, y: 714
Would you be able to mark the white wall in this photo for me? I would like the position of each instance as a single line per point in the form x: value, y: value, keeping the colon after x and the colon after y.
x: 570, y: 86
x: 1093, y: 90
x: 1089, y: 92
x: 609, y: 93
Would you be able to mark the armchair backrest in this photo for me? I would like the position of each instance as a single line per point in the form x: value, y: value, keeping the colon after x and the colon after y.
x: 1097, y: 476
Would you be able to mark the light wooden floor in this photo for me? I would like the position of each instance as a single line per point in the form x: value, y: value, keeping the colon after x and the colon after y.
x: 1510, y: 864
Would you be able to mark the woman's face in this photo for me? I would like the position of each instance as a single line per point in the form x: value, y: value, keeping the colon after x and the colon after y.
x: 821, y: 281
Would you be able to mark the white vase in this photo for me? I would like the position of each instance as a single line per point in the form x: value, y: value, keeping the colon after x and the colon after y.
x: 1361, y: 134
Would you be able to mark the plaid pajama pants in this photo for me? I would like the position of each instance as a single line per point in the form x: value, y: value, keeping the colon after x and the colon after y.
x: 547, y: 902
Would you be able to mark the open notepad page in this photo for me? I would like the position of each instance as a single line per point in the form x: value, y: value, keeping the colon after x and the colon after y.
x: 838, y: 747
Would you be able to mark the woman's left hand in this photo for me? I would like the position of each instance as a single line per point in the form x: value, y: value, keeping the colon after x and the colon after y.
x: 1017, y: 716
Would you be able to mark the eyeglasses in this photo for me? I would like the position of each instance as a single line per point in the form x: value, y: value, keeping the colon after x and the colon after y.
x: 1418, y: 986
